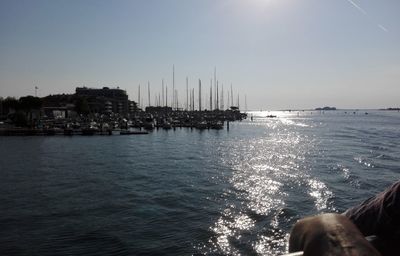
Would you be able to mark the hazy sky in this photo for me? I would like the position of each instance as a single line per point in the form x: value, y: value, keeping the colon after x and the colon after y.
x: 280, y: 53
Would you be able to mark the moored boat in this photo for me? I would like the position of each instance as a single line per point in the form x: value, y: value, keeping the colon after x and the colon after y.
x: 133, y: 132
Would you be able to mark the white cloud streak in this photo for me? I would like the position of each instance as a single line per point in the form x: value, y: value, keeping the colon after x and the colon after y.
x: 357, y: 7
x: 360, y: 9
x: 383, y: 28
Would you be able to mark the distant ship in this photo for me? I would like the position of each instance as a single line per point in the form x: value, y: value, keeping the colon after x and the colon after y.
x: 326, y: 108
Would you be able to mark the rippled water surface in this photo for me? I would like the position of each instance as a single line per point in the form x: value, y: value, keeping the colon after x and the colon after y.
x: 186, y: 192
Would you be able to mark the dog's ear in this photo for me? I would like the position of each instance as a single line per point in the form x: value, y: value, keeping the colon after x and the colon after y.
x: 329, y: 234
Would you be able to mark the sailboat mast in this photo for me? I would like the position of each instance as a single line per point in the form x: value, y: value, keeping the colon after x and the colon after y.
x: 215, y: 88
x: 211, y: 94
x: 199, y: 95
x: 217, y: 96
x: 193, y: 98
x: 190, y: 101
x: 148, y: 91
x: 177, y: 99
x: 222, y: 97
x: 173, y: 86
x: 231, y: 96
x: 162, y: 91
x: 139, y: 96
x: 229, y: 104
x: 187, y: 93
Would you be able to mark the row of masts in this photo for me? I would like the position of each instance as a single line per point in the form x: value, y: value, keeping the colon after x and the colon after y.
x: 215, y: 100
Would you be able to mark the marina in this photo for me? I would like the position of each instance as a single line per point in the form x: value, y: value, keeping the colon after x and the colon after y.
x: 103, y: 111
x: 149, y: 120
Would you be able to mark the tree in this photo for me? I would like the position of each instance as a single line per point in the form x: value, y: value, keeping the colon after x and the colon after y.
x: 10, y: 103
x: 29, y: 103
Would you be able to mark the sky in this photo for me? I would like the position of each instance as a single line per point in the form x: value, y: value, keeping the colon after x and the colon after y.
x: 276, y: 54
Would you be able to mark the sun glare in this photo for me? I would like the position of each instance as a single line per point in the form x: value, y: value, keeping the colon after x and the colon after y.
x: 256, y: 9
x: 263, y: 3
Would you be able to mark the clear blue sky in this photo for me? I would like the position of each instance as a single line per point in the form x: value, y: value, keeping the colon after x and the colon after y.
x: 280, y: 53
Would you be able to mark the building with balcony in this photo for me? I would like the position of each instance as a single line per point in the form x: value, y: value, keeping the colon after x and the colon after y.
x: 105, y: 100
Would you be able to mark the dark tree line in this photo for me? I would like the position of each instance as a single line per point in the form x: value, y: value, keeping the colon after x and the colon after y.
x: 26, y: 103
x: 19, y: 111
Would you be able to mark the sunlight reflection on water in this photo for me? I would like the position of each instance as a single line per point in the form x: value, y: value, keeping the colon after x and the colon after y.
x: 262, y: 171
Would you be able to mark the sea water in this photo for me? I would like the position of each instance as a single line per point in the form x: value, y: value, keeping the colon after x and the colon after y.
x: 191, y: 192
